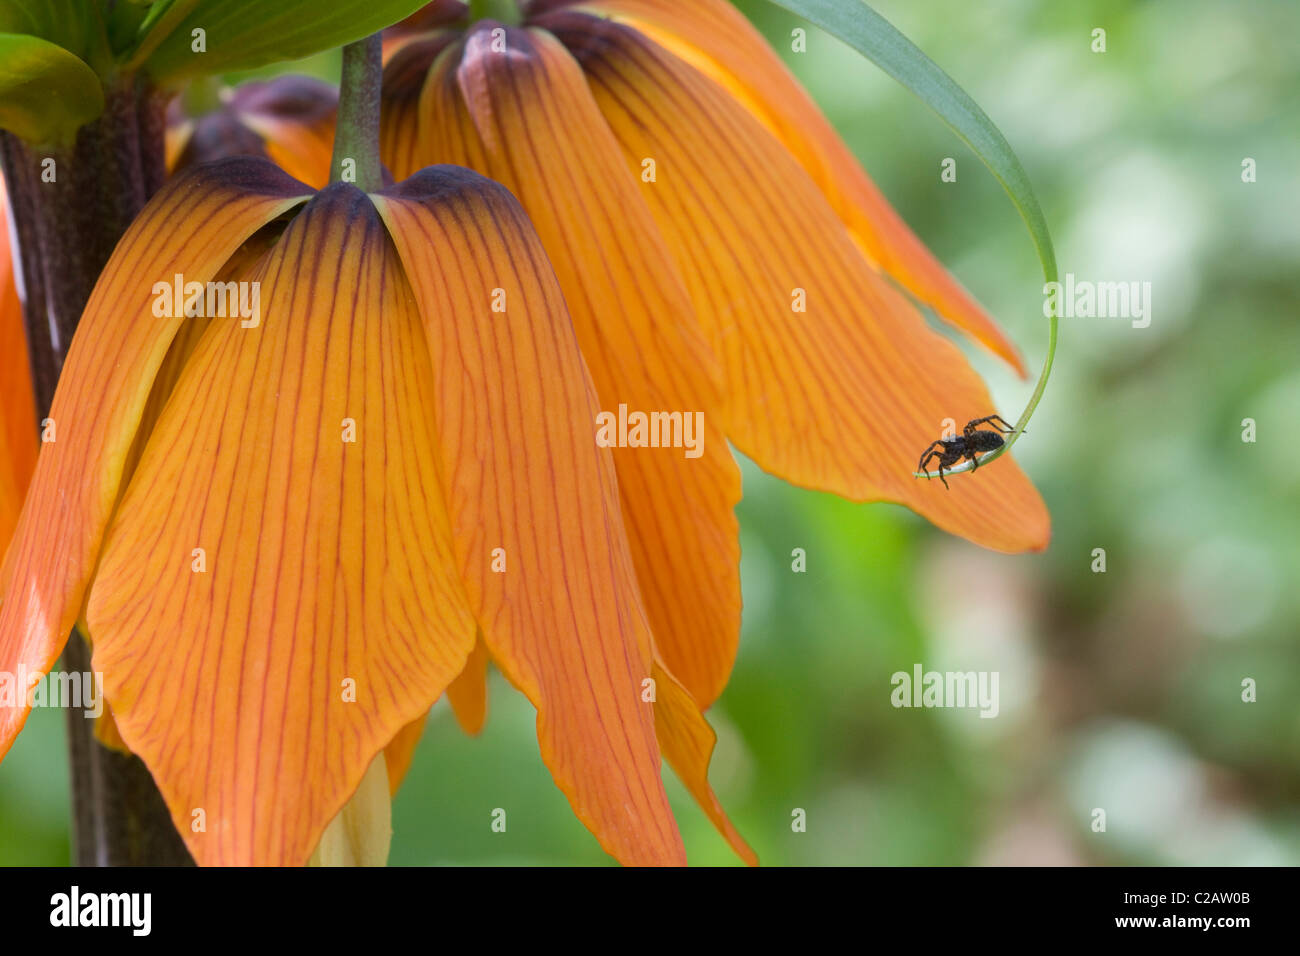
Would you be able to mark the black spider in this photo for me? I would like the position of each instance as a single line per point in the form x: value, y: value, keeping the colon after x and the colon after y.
x: 968, y: 444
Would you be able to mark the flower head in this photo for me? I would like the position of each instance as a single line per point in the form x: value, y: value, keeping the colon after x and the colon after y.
x: 323, y: 454
x: 289, y: 119
x: 295, y: 554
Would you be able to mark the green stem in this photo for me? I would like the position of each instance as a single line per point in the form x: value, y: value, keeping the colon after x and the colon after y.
x: 503, y: 11
x: 356, y: 138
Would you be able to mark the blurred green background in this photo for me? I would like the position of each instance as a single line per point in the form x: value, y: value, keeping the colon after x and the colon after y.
x: 1119, y: 691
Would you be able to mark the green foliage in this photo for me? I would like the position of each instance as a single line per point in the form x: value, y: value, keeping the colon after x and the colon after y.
x: 57, y: 55
x: 46, y: 93
x: 72, y: 24
x: 247, y: 34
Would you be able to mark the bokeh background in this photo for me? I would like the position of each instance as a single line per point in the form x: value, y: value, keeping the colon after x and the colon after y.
x: 1119, y: 690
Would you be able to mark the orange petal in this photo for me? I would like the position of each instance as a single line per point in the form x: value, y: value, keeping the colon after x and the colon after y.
x: 176, y: 138
x: 468, y: 692
x: 467, y: 695
x: 405, y: 70
x: 527, y: 486
x: 328, y: 615
x: 106, y: 732
x: 528, y: 121
x: 843, y: 396
x: 17, y: 405
x: 238, y: 267
x: 717, y: 39
x: 687, y: 741
x: 289, y: 119
x: 401, y: 751
x: 182, y: 347
x: 191, y: 227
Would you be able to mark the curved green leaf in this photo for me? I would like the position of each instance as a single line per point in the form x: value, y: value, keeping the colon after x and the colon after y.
x: 880, y: 42
x: 46, y: 93
x: 246, y: 34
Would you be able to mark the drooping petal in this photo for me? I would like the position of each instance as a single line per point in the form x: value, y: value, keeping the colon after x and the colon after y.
x: 718, y: 40
x: 468, y: 692
x: 237, y: 268
x: 533, y: 501
x: 687, y: 742
x: 467, y: 695
x: 401, y: 751
x: 190, y: 228
x: 17, y: 405
x: 289, y: 119
x: 328, y: 614
x: 528, y: 120
x: 405, y: 70
x: 834, y: 380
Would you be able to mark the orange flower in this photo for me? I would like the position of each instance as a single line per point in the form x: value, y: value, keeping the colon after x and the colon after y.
x: 286, y: 570
x: 719, y: 250
x: 289, y: 119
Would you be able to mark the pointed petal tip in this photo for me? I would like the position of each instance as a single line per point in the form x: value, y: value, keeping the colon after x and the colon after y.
x: 687, y: 742
x: 468, y: 692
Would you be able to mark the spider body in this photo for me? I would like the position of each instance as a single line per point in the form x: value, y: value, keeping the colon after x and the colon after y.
x: 969, y: 444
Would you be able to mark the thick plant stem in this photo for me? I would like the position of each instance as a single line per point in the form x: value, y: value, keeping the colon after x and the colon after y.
x: 356, y: 136
x: 69, y: 208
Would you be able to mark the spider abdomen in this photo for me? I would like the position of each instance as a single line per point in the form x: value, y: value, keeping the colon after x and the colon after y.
x: 980, y: 440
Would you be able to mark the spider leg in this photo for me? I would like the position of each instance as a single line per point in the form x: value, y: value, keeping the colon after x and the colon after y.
x: 941, y: 477
x: 996, y: 421
x: 927, y: 455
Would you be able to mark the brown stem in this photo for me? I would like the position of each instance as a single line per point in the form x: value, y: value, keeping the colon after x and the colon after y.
x: 67, y: 220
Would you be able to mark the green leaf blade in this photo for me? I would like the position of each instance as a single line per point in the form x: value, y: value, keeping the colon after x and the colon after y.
x: 247, y: 34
